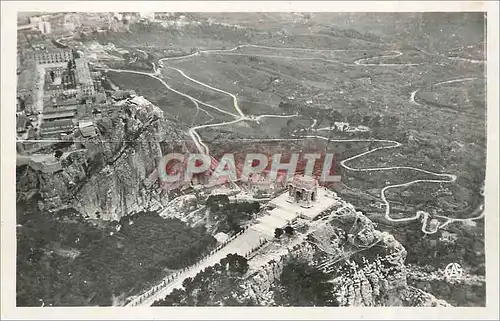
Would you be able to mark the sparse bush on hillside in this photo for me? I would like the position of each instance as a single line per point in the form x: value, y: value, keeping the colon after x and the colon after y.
x: 74, y: 263
x: 230, y: 216
x: 303, y: 285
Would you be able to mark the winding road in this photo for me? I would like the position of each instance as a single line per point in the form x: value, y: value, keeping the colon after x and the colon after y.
x: 447, y: 178
x: 359, y: 62
x: 240, y: 116
x: 395, y: 53
x: 414, y: 93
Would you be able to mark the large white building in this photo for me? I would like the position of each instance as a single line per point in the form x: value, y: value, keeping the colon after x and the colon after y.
x: 303, y: 199
x: 44, y: 27
x: 84, y: 81
x: 44, y: 57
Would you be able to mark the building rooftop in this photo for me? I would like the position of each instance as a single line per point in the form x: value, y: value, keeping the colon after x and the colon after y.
x: 324, y: 200
x: 85, y: 123
x: 47, y: 52
x: 304, y: 181
x: 122, y: 94
x: 59, y: 102
x: 83, y: 75
x: 62, y: 114
x: 89, y: 131
x: 140, y: 101
x: 56, y: 124
x: 51, y: 110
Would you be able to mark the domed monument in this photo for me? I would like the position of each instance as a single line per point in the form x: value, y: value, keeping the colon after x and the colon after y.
x: 302, y: 189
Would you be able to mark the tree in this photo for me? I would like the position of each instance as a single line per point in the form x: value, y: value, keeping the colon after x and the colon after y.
x: 236, y: 263
x: 175, y: 298
x: 288, y: 106
x: 285, y: 131
x: 320, y: 120
x: 278, y: 232
x: 337, y: 115
x: 304, y: 285
x: 58, y: 154
x: 187, y: 283
x: 215, y: 202
x: 289, y: 230
x: 231, y: 215
x: 214, y: 285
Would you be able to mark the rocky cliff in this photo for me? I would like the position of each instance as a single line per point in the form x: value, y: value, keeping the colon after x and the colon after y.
x: 113, y: 173
x: 367, y: 270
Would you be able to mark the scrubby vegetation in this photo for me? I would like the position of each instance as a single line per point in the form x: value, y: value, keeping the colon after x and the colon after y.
x: 63, y: 260
x: 431, y: 252
x: 230, y: 216
x: 303, y: 285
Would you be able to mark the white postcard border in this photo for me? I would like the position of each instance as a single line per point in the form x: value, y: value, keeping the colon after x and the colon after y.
x: 8, y: 150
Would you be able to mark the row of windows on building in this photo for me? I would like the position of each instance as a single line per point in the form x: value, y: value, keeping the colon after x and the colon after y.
x: 81, y: 90
x: 49, y: 57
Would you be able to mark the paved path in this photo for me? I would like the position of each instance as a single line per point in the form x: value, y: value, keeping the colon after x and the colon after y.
x: 241, y: 245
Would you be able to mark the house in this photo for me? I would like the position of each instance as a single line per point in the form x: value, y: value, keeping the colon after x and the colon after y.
x: 359, y: 128
x: 57, y: 127
x: 120, y: 95
x: 448, y: 237
x: 59, y: 115
x: 87, y: 128
x: 341, y: 126
x: 100, y: 98
x: 84, y: 80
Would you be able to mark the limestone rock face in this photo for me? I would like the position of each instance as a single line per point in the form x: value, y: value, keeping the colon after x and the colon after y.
x: 112, y: 174
x: 260, y: 285
x: 375, y: 280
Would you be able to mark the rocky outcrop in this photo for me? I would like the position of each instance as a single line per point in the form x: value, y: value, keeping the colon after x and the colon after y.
x: 114, y: 173
x: 369, y: 270
x: 259, y: 286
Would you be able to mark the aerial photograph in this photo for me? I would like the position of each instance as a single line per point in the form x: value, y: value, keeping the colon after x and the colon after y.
x: 269, y: 159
